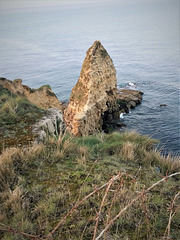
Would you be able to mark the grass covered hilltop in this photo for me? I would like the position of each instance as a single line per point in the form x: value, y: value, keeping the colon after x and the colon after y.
x: 107, y: 186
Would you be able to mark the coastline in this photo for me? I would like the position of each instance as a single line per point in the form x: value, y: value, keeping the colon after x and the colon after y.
x: 126, y: 99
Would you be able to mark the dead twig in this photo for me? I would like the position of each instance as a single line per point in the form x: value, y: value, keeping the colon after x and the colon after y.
x: 83, y: 231
x: 171, y: 215
x: 77, y: 204
x: 114, y: 197
x: 133, y: 201
x: 102, y: 203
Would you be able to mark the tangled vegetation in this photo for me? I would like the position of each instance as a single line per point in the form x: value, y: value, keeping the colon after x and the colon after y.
x: 113, y: 186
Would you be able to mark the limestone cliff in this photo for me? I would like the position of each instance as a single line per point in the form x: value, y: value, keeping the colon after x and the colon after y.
x: 93, y: 99
x: 42, y: 97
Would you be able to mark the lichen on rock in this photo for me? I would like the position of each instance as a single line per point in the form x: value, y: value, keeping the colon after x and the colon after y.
x: 94, y: 95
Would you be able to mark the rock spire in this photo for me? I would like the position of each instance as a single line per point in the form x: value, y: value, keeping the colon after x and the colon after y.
x: 93, y: 102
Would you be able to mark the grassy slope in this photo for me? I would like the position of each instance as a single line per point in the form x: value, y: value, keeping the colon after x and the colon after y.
x: 16, y: 118
x: 40, y: 184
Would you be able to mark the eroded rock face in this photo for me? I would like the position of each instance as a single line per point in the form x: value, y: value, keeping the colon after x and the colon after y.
x: 51, y: 124
x: 93, y: 99
x: 42, y: 97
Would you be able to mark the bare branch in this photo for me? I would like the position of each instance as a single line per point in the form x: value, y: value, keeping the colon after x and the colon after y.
x: 133, y: 201
x: 115, y: 195
x: 102, y: 203
x: 49, y: 236
x: 171, y: 215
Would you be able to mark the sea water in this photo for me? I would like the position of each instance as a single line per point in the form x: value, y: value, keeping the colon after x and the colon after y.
x: 48, y: 46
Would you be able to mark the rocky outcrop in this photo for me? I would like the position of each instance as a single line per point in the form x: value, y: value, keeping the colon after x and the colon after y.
x: 93, y: 99
x: 95, y: 103
x: 51, y: 124
x: 42, y: 97
x: 128, y: 99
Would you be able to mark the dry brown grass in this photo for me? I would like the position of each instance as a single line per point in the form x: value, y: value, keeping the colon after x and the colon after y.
x: 8, y: 154
x: 14, y: 198
x: 32, y: 152
x: 82, y: 155
x: 7, y: 159
x: 172, y: 163
x: 128, y: 151
x: 64, y: 147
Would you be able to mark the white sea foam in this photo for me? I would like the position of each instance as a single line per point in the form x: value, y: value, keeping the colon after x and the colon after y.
x: 121, y: 116
x: 131, y: 84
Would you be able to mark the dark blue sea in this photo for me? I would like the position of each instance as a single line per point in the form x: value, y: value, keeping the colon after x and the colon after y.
x: 48, y: 46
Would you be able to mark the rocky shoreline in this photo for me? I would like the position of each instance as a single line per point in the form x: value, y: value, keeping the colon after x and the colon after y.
x: 128, y: 99
x: 53, y: 123
x: 95, y: 103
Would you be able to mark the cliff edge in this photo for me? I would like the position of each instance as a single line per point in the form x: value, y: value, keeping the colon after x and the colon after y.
x: 42, y: 97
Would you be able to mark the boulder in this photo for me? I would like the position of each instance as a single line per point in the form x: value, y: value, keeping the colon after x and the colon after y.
x: 93, y: 102
x: 51, y: 124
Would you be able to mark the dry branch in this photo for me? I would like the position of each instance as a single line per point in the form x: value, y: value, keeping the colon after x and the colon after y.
x: 171, y: 215
x: 114, y: 197
x: 102, y: 203
x: 49, y: 236
x: 133, y: 201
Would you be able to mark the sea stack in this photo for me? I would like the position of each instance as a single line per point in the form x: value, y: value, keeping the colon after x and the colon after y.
x: 93, y: 103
